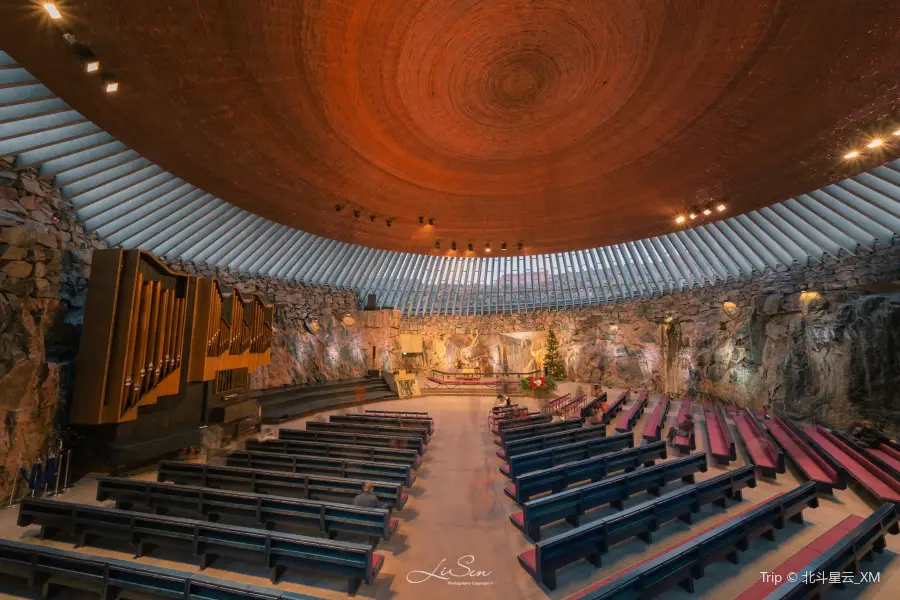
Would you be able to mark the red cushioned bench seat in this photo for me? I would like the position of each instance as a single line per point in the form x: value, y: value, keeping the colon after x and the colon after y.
x: 887, y: 455
x: 806, y: 457
x: 633, y: 414
x: 510, y: 491
x: 393, y: 524
x: 456, y: 382
x: 518, y: 519
x: 720, y: 444
x: 377, y: 563
x: 402, y: 501
x: 528, y: 560
x: 763, y: 452
x: 653, y: 428
x: 501, y: 454
x: 870, y: 476
x: 505, y: 469
x: 796, y: 563
x: 417, y: 461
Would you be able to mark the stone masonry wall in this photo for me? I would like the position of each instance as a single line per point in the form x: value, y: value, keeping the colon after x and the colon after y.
x: 809, y: 339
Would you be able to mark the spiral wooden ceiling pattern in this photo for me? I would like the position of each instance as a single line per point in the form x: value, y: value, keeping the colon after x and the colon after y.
x: 564, y: 124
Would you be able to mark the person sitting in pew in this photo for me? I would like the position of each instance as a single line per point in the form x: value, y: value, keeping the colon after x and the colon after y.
x: 682, y: 429
x: 867, y: 435
x: 367, y: 499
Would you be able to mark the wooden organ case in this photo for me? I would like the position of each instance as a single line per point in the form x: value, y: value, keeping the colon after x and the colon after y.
x: 162, y: 355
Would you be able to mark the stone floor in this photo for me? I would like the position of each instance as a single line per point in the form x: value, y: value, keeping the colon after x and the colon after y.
x: 457, y: 515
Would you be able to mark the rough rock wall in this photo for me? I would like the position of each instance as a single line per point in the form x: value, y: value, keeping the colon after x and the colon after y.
x: 45, y: 259
x: 807, y: 339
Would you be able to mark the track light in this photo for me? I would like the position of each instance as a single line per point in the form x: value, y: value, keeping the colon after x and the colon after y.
x: 112, y: 86
x: 52, y: 11
x: 503, y: 246
x: 388, y: 222
x: 421, y: 220
x: 487, y: 247
x: 897, y: 132
x: 431, y: 222
x: 337, y: 207
x: 470, y: 247
x: 520, y: 245
x: 680, y: 219
x: 372, y: 218
x: 92, y: 66
x: 437, y: 244
x: 706, y: 212
x: 692, y: 216
x: 720, y: 208
x: 852, y: 154
x: 356, y: 213
x: 874, y: 143
x: 453, y: 246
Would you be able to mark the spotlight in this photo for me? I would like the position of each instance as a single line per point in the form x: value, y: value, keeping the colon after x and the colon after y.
x: 388, y: 222
x: 453, y: 246
x: 874, y: 143
x: 112, y: 86
x: 92, y: 66
x: 70, y: 39
x: 437, y: 244
x: 503, y: 246
x: 421, y: 220
x: 706, y: 212
x: 337, y: 207
x: 852, y: 154
x: 692, y: 216
x: 470, y: 247
x: 52, y: 11
x: 356, y: 213
x: 431, y: 221
x: 680, y: 219
x: 897, y: 132
x: 720, y: 208
x: 520, y: 245
x: 487, y: 247
x: 372, y: 218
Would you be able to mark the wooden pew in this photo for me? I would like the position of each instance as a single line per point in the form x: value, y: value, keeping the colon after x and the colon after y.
x: 366, y: 428
x: 810, y: 461
x: 764, y: 453
x: 593, y: 539
x: 591, y: 408
x: 551, y: 440
x: 277, y: 483
x: 395, y: 456
x: 381, y: 421
x: 571, y: 504
x: 56, y: 570
x: 571, y: 407
x: 874, y: 479
x: 721, y: 446
x: 686, y: 443
x: 592, y: 469
x: 276, y: 551
x: 551, y: 457
x: 613, y: 409
x: 320, y: 465
x: 355, y: 439
x: 238, y: 508
x: 505, y: 424
x: 687, y: 561
x: 839, y: 556
x: 416, y: 417
x: 511, y: 435
x: 634, y: 413
x: 654, y: 425
x: 500, y: 412
x: 554, y: 404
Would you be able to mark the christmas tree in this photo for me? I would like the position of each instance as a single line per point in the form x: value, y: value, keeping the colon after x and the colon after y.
x: 552, y: 361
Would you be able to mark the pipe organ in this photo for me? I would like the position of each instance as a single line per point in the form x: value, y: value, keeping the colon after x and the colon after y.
x: 162, y: 355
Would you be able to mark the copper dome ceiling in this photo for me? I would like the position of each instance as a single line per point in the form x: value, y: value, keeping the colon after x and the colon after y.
x: 561, y: 124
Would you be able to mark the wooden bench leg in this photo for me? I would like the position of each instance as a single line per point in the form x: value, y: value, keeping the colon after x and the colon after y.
x: 687, y: 585
x: 687, y: 518
x: 723, y: 502
x: 534, y: 532
x: 331, y: 534
x: 655, y: 491
x: 798, y: 518
x: 769, y: 534
x: 548, y: 578
x: 732, y: 557
x: 353, y: 584
x: 206, y: 559
x: 737, y: 495
x: 617, y: 504
x: 594, y: 559
x: 743, y: 544
x: 688, y: 479
x: 647, y: 536
x: 275, y: 572
x: 572, y: 520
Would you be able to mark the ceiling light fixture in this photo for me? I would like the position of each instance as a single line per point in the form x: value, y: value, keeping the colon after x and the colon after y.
x: 431, y: 221
x: 470, y: 247
x: 874, y: 143
x: 520, y: 245
x: 112, y: 86
x: 706, y: 212
x: 453, y: 245
x: 680, y: 219
x: 337, y: 207
x: 52, y: 11
x: 437, y: 244
x: 388, y: 222
x: 421, y: 220
x: 852, y: 154
x: 487, y: 247
x: 92, y: 67
x: 692, y: 216
x: 503, y: 246
x: 897, y: 132
x: 356, y: 213
x: 372, y: 218
x: 720, y: 208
